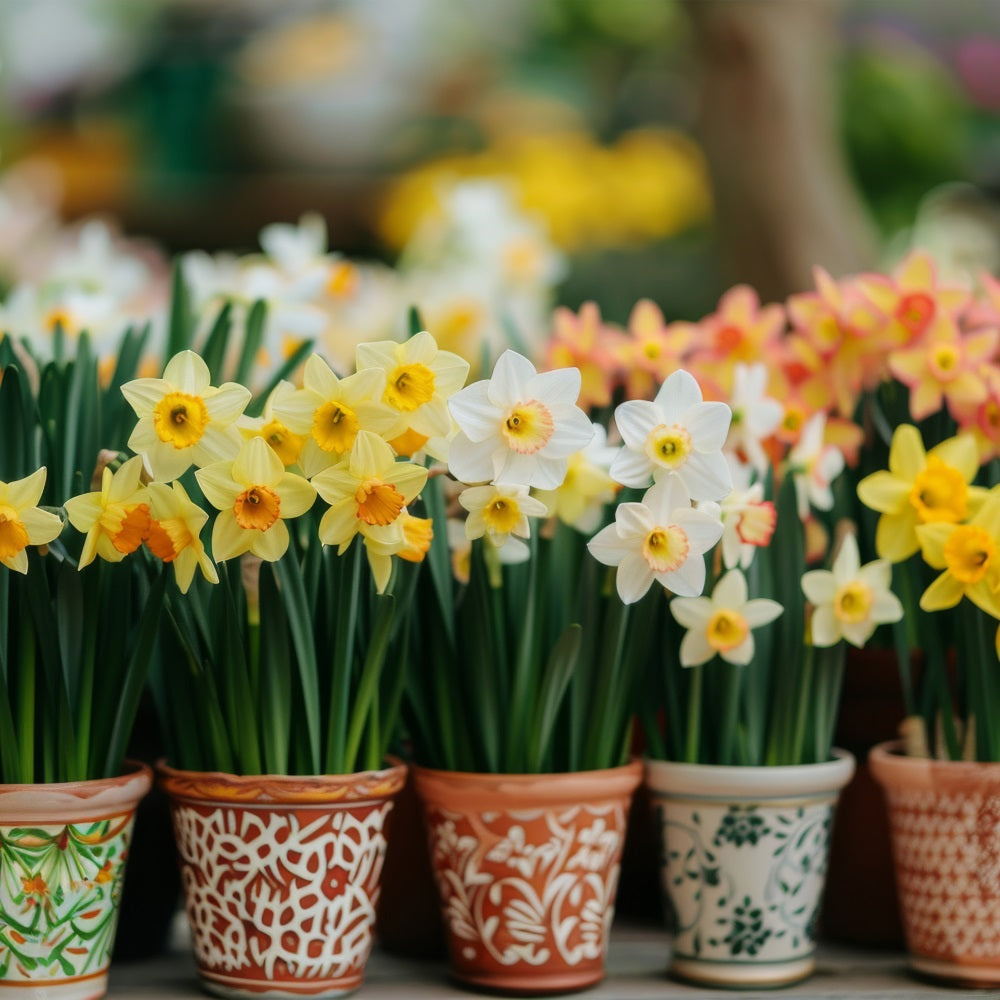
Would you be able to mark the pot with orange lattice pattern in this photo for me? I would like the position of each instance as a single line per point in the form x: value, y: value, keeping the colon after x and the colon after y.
x: 281, y: 876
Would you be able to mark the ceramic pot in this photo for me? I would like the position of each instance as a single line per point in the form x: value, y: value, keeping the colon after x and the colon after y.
x: 945, y: 823
x: 744, y: 864
x: 281, y: 876
x: 63, y: 848
x: 527, y: 868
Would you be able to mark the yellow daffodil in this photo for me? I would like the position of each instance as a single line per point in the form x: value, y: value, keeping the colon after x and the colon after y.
x: 921, y: 488
x: 498, y: 512
x: 254, y: 495
x: 175, y: 533
x: 367, y: 493
x: 969, y: 554
x: 419, y: 381
x: 418, y: 532
x: 850, y: 600
x: 286, y: 445
x: 330, y: 411
x: 22, y: 522
x: 114, y: 518
x: 184, y: 421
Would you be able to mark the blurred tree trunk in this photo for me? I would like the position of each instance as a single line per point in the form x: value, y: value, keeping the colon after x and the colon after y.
x: 784, y: 199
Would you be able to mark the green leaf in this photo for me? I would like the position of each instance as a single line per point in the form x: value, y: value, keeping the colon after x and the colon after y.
x: 180, y: 326
x: 551, y: 691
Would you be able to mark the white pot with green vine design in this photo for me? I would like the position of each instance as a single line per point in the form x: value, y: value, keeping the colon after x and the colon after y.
x: 744, y: 864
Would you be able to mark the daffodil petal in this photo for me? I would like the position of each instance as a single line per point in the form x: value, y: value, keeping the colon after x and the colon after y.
x: 297, y: 495
x: 272, y: 544
x: 944, y: 592
x: 26, y: 492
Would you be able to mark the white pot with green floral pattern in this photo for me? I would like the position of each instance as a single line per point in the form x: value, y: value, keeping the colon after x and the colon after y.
x: 744, y: 863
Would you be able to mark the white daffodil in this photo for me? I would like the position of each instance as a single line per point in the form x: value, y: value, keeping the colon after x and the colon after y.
x: 677, y: 434
x: 519, y: 427
x: 419, y: 381
x: 330, y: 411
x: 580, y: 499
x: 814, y: 466
x: 662, y: 538
x: 254, y: 494
x: 175, y: 533
x: 23, y: 522
x: 722, y: 624
x: 748, y: 520
x: 498, y: 512
x: 184, y: 421
x: 852, y: 600
x: 756, y: 415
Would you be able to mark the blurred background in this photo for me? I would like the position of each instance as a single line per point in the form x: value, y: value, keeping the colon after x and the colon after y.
x: 601, y: 150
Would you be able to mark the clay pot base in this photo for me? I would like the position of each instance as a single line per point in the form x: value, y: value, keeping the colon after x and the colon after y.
x: 243, y: 989
x: 961, y: 974
x: 741, y: 975
x: 531, y: 984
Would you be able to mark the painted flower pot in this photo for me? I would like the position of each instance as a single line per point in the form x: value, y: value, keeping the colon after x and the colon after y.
x: 63, y: 848
x: 744, y: 864
x: 527, y: 867
x: 945, y: 822
x: 281, y: 876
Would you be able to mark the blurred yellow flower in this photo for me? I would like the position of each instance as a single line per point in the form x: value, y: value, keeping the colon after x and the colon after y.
x: 22, y: 523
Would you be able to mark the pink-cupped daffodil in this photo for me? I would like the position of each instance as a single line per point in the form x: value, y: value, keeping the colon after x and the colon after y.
x: 661, y: 539
x: 330, y: 411
x: 814, y: 465
x: 175, y: 533
x: 368, y: 492
x: 183, y: 420
x: 969, y: 555
x: 114, y: 518
x: 722, y: 624
x: 499, y: 512
x: 23, y: 522
x: 519, y: 427
x: 419, y: 381
x: 748, y: 520
x: 921, y: 488
x: 850, y: 600
x: 255, y: 494
x: 285, y: 444
x: 676, y: 435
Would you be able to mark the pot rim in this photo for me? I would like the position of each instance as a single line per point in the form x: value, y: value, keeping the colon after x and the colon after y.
x: 890, y: 765
x: 667, y: 777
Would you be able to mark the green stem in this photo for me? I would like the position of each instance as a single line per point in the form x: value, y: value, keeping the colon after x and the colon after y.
x: 693, y: 716
x: 794, y: 750
x: 730, y: 713
x: 26, y: 706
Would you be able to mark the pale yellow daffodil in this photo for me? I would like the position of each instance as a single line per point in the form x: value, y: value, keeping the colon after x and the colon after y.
x: 285, y: 444
x: 22, y: 522
x: 174, y: 533
x: 499, y: 512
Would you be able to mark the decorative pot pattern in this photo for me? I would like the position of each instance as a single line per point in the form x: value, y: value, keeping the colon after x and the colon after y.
x: 945, y: 822
x: 63, y: 849
x: 527, y: 871
x: 744, y: 866
x: 281, y: 877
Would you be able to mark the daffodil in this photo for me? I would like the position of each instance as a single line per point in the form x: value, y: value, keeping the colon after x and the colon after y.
x: 254, y: 495
x: 23, y: 522
x: 756, y: 415
x: 662, y: 538
x: 850, y: 600
x: 722, y: 624
x: 286, y: 445
x: 175, y: 533
x: 748, y: 522
x: 183, y: 420
x: 419, y: 381
x: 114, y: 518
x: 969, y: 554
x: 498, y: 512
x: 368, y: 492
x: 519, y: 427
x: 814, y: 465
x: 418, y: 533
x: 921, y: 488
x: 330, y: 412
x: 677, y: 434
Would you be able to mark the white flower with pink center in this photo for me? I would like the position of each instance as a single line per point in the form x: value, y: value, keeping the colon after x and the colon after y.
x: 814, y: 467
x: 663, y: 538
x: 519, y: 427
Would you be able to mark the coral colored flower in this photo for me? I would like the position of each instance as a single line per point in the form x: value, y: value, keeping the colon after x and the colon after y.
x: 368, y: 492
x: 115, y: 518
x: 722, y: 624
x: 183, y: 420
x: 969, y: 554
x: 22, y: 522
x: 661, y: 539
x: 814, y: 465
x: 921, y: 488
x: 677, y: 434
x: 850, y: 600
x: 653, y: 349
x: 498, y: 512
x: 946, y: 366
x: 756, y: 415
x: 519, y: 427
x: 254, y: 495
x: 286, y: 445
x: 175, y: 533
x: 419, y: 381
x: 983, y: 419
x: 583, y: 341
x: 330, y: 412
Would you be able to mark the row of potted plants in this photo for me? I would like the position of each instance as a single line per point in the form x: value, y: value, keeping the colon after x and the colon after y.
x: 493, y: 582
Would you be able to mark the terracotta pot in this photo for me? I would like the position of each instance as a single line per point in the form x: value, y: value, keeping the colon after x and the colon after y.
x: 63, y: 848
x: 527, y: 868
x: 945, y: 822
x: 281, y: 876
x: 744, y: 864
